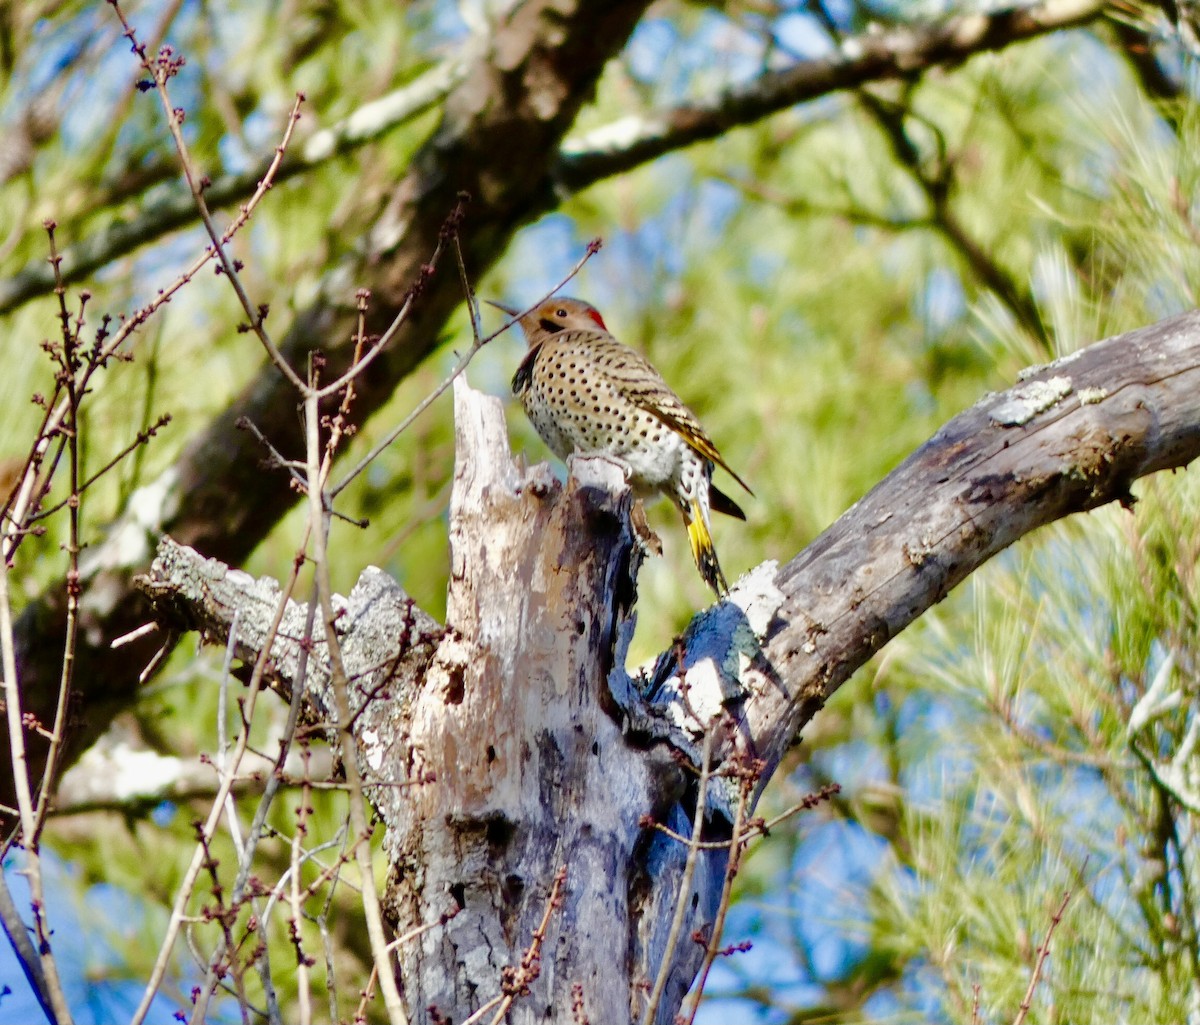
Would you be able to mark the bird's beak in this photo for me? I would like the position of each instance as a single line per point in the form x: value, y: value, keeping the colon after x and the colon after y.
x: 504, y: 309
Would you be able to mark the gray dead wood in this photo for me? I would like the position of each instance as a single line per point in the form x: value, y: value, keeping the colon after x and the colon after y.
x: 517, y: 90
x: 522, y: 88
x: 539, y: 751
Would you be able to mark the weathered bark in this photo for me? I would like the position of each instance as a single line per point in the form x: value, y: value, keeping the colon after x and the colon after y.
x: 547, y: 754
x: 520, y: 94
x: 532, y: 773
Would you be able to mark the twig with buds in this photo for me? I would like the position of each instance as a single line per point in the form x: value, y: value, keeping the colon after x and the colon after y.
x: 748, y: 772
x: 755, y: 827
x: 161, y: 68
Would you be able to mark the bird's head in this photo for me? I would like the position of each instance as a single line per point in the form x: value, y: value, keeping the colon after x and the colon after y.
x: 558, y: 313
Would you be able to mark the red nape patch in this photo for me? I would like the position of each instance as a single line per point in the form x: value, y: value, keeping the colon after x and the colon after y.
x: 598, y: 319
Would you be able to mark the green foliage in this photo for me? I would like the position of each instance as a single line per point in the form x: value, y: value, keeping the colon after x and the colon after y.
x: 987, y: 765
x: 799, y: 286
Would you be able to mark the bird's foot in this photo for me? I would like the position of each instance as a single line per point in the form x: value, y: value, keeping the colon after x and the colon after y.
x: 623, y: 466
x: 649, y: 541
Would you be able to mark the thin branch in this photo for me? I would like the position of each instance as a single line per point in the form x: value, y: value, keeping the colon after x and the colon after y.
x: 1042, y: 954
x: 369, y: 989
x: 523, y: 977
x: 19, y: 764
x: 517, y: 980
x: 275, y: 779
x: 141, y: 439
x: 107, y: 345
x: 360, y: 829
x: 303, y: 985
x: 33, y: 815
x: 748, y: 778
x: 184, y: 891
x: 683, y: 901
x: 27, y: 956
x: 462, y: 364
x: 322, y: 921
x: 164, y: 66
x: 755, y: 828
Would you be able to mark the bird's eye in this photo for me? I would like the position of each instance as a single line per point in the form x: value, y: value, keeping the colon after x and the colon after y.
x: 560, y: 312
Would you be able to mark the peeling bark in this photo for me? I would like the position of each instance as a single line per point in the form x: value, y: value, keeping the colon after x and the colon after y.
x: 546, y: 754
x: 516, y: 91
x: 520, y: 93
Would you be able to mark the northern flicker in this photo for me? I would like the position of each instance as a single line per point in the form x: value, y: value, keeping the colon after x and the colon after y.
x: 587, y: 393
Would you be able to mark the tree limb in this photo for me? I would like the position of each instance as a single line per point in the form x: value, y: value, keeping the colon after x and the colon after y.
x: 526, y: 745
x: 859, y: 61
x: 1072, y: 436
x: 522, y: 93
x: 601, y: 153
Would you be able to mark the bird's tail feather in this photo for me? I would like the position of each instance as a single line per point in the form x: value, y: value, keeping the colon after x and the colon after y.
x: 722, y: 503
x: 703, y: 550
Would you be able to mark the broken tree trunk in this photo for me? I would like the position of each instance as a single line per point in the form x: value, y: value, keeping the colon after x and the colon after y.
x: 517, y: 767
x: 514, y: 787
x: 533, y: 774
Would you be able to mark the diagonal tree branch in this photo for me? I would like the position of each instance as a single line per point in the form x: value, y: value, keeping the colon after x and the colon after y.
x: 506, y: 708
x: 859, y: 61
x: 520, y: 95
x: 1073, y: 436
x: 604, y: 152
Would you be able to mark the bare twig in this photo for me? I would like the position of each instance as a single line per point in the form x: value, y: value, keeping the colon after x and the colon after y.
x: 322, y: 921
x: 33, y: 815
x: 161, y: 69
x: 141, y: 438
x: 303, y: 962
x: 477, y: 344
x: 184, y: 892
x: 521, y: 978
x: 275, y: 779
x: 31, y: 964
x: 318, y: 470
x: 756, y: 827
x: 36, y: 476
x: 1042, y: 954
x: 360, y: 362
x: 370, y: 122
x: 749, y: 772
x: 682, y: 902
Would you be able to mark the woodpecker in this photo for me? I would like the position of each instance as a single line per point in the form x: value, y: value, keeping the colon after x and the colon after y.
x: 589, y: 394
